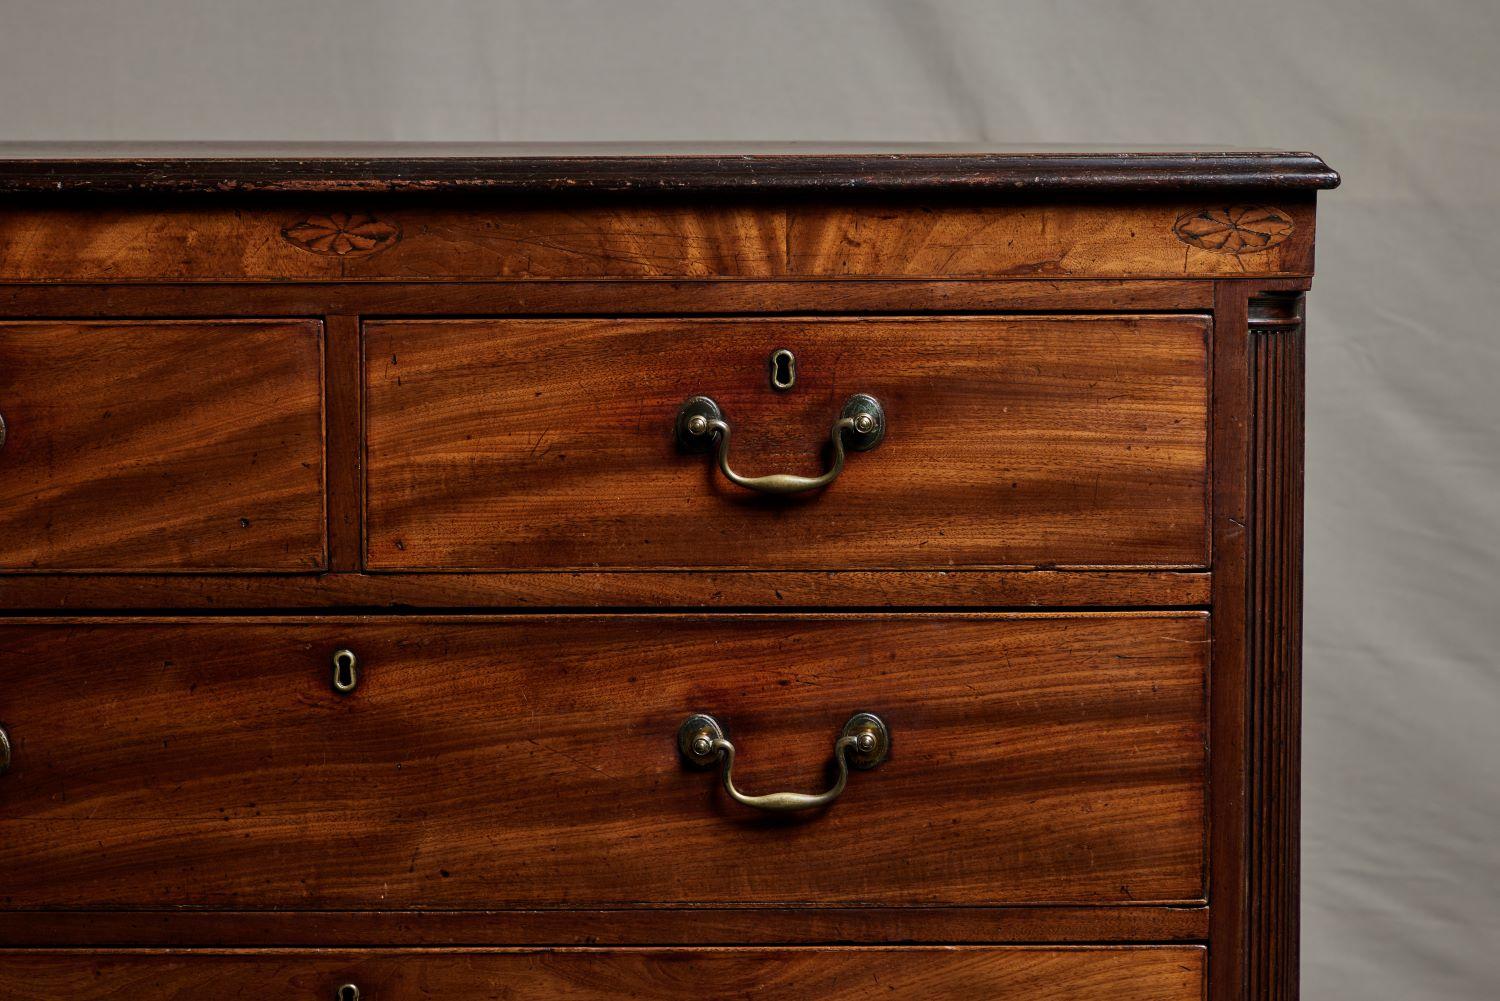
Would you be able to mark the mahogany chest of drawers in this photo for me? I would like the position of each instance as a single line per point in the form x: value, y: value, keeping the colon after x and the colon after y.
x: 576, y: 573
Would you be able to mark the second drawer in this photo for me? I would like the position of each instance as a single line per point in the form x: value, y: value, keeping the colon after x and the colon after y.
x: 534, y: 761
x: 1000, y: 441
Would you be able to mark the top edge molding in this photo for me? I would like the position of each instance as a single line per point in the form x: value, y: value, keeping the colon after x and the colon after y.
x: 359, y: 168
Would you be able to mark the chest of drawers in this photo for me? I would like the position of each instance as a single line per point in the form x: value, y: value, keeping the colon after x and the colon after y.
x: 579, y: 573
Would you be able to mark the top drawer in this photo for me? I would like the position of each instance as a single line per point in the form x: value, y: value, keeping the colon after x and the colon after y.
x: 161, y: 446
x: 1023, y: 441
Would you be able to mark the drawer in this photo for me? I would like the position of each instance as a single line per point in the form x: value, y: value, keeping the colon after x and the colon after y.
x: 161, y: 446
x: 1021, y: 441
x: 1170, y: 973
x: 534, y: 761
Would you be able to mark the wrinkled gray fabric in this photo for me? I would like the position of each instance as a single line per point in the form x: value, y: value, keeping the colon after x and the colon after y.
x: 1402, y: 771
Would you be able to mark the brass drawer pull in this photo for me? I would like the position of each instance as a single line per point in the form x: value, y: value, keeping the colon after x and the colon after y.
x: 860, y: 427
x: 347, y: 992
x: 864, y: 743
x: 4, y: 751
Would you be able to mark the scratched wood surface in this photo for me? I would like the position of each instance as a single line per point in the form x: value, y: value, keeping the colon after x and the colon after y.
x: 339, y: 239
x: 1012, y: 441
x: 1172, y: 973
x: 163, y: 446
x: 532, y: 762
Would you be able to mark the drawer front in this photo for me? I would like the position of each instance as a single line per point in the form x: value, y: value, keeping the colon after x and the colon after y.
x: 1009, y: 441
x: 161, y: 446
x: 534, y: 762
x: 1174, y: 973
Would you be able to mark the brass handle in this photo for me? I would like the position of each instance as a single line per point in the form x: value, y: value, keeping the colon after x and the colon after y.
x: 4, y: 751
x: 860, y: 427
x: 864, y: 743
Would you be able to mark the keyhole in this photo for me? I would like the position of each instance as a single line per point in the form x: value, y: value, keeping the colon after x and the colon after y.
x: 348, y: 992
x: 345, y: 678
x: 783, y: 369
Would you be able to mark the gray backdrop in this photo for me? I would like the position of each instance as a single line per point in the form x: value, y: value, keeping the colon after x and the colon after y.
x: 1402, y: 771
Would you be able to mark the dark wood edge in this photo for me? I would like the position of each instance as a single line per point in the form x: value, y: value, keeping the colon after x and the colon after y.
x: 832, y: 174
x: 637, y: 590
x: 635, y: 927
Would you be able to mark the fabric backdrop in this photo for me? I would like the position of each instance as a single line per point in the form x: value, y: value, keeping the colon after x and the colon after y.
x: 1402, y: 761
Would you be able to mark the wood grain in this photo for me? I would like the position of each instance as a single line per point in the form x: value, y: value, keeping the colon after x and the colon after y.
x: 526, y: 323
x: 698, y: 925
x: 1043, y: 239
x: 1228, y: 886
x: 1013, y: 441
x: 1172, y: 973
x: 1259, y: 384
x: 896, y: 589
x: 531, y: 761
x: 664, y: 297
x: 344, y: 448
x: 639, y: 238
x: 161, y: 446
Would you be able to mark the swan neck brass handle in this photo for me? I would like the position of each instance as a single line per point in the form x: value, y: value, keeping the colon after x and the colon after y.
x: 859, y: 428
x: 863, y: 743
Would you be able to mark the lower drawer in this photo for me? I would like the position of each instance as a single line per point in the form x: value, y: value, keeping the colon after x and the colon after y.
x: 830, y: 974
x: 534, y: 762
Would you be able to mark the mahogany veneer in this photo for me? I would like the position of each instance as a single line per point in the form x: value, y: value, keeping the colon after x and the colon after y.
x: 421, y: 405
x: 1015, y: 441
x: 948, y: 974
x: 133, y: 446
x: 487, y: 763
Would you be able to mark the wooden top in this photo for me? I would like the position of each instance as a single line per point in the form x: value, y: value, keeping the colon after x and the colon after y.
x: 119, y: 168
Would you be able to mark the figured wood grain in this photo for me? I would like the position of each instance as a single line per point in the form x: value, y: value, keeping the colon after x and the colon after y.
x: 1041, y: 239
x: 698, y: 925
x: 532, y: 762
x: 622, y: 589
x: 639, y: 238
x: 1169, y: 973
x: 161, y: 446
x: 660, y: 297
x: 1012, y: 441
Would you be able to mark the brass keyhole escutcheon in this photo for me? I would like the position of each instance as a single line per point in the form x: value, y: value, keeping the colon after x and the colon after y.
x: 783, y: 366
x: 345, y: 680
x: 347, y: 992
